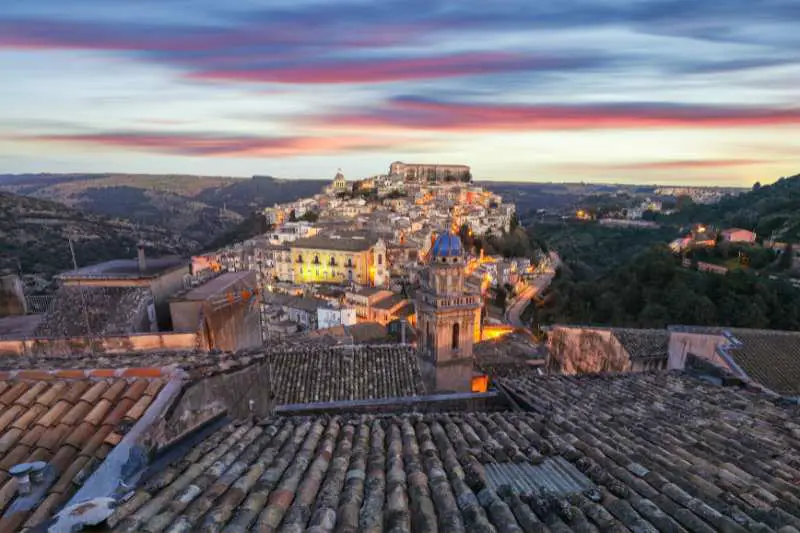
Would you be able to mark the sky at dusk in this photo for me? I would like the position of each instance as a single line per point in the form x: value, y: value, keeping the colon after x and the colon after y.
x: 672, y: 91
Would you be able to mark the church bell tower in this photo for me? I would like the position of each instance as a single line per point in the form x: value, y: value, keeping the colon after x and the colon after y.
x: 445, y: 318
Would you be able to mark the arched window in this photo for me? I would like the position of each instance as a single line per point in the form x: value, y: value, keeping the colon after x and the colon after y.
x: 380, y: 259
x: 455, y: 336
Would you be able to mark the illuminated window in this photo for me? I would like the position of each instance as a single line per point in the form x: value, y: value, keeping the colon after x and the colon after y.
x: 455, y: 336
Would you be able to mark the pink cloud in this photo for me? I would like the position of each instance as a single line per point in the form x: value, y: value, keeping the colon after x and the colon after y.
x: 415, y: 114
x: 378, y: 70
x: 208, y: 145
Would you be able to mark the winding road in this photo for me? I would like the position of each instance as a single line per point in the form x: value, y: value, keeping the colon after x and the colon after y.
x: 517, y: 306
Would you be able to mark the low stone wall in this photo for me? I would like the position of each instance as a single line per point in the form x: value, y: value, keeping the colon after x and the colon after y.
x: 487, y: 401
x: 238, y: 394
x: 140, y: 342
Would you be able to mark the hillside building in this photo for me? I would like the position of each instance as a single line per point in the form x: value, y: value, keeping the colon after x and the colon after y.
x: 347, y: 257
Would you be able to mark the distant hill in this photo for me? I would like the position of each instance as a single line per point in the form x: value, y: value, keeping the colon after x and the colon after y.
x: 771, y: 209
x: 201, y: 208
x: 556, y: 197
x: 34, y: 232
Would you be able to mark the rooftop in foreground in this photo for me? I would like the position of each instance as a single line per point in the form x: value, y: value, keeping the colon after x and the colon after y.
x: 640, y: 452
x: 125, y: 269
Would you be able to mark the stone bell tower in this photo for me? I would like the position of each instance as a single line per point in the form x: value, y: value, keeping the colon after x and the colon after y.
x: 445, y: 319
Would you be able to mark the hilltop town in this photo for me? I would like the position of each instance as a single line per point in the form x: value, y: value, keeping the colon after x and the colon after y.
x: 370, y: 363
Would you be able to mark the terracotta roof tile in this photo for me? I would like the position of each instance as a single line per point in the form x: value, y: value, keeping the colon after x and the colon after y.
x: 31, y: 394
x: 153, y: 386
x: 98, y: 412
x: 96, y: 440
x: 9, y: 439
x: 30, y: 416
x: 138, y: 409
x: 38, y: 454
x: 59, y: 422
x: 14, y: 392
x: 76, y: 390
x: 15, y: 456
x: 135, y: 390
x: 120, y: 408
x: 77, y: 413
x: 65, y: 481
x: 54, y: 414
x: 95, y: 391
x: 32, y: 435
x: 80, y: 435
x: 54, y: 436
x: 52, y: 394
x: 115, y: 390
x: 113, y: 438
x: 8, y: 490
x: 8, y: 416
x: 63, y: 457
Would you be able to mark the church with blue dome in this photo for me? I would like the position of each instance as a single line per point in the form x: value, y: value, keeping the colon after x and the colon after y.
x: 448, y: 315
x: 447, y: 245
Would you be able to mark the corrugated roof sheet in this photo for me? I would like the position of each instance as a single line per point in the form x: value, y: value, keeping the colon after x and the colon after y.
x: 556, y: 476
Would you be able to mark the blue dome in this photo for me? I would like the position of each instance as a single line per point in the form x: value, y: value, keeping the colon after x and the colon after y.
x: 446, y: 245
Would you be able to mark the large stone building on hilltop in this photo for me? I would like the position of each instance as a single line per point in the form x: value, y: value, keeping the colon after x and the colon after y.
x: 423, y: 172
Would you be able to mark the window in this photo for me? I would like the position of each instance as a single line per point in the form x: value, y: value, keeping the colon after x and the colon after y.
x: 455, y: 336
x: 316, y: 259
x: 299, y: 258
x: 429, y: 338
x: 380, y: 259
x: 332, y: 262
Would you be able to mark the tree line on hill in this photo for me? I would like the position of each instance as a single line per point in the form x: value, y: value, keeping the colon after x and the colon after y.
x: 654, y: 290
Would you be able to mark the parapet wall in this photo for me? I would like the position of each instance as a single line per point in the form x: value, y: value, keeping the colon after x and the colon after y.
x: 138, y: 342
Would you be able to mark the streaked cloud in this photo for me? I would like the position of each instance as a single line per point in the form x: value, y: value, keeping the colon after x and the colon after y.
x: 421, y: 114
x: 216, y: 145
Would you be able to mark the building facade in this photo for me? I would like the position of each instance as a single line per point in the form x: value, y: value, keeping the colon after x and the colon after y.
x: 428, y: 172
x: 339, y: 258
x: 446, y: 318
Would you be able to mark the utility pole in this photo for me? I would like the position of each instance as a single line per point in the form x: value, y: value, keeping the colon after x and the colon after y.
x: 80, y: 289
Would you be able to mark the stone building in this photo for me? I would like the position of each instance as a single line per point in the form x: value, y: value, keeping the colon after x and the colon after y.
x: 428, y: 172
x: 446, y: 318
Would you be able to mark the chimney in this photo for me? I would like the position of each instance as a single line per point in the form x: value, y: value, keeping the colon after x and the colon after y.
x: 21, y: 473
x: 142, y: 259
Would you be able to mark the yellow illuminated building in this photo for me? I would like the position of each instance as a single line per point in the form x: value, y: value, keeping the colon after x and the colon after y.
x: 339, y: 259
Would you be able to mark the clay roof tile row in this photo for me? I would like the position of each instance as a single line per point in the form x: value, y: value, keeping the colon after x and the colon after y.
x: 66, y: 424
x: 653, y: 452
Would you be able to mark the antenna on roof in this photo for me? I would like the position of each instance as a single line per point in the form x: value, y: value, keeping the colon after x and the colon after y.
x: 83, y: 297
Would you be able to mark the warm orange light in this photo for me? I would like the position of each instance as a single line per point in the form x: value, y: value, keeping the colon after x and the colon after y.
x: 480, y: 383
x: 495, y: 332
